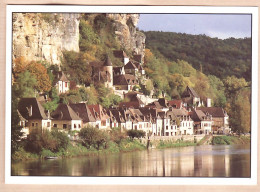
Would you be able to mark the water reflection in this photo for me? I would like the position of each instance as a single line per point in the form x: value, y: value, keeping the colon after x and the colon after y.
x: 199, y: 161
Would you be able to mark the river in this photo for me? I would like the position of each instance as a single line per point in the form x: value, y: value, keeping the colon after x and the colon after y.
x: 194, y: 161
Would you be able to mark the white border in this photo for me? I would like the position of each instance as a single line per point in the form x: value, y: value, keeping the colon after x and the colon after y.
x: 133, y: 180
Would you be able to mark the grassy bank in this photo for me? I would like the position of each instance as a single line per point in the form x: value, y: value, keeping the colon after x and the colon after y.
x: 75, y: 149
x: 229, y: 140
x: 171, y: 144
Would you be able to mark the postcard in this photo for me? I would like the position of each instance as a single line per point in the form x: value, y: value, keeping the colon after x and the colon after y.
x: 154, y: 95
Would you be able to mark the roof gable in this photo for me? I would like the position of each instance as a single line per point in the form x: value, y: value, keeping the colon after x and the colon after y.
x: 31, y: 105
x: 65, y: 112
x: 83, y: 111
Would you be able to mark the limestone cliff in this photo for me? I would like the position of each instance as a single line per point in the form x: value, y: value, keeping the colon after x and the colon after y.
x: 44, y: 36
x: 130, y: 38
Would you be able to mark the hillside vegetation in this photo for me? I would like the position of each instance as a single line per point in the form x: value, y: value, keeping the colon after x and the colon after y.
x: 212, y: 56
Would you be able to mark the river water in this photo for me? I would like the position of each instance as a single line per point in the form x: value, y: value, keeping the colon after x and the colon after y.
x: 194, y: 161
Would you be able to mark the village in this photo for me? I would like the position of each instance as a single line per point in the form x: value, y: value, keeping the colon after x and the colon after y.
x: 190, y: 115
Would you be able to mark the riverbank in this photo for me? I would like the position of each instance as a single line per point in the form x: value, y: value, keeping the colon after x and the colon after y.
x: 230, y: 140
x: 76, y: 149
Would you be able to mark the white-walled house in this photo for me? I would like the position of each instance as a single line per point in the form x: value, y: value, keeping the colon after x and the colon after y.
x: 101, y: 116
x: 32, y: 115
x: 202, y: 122
x: 61, y: 82
x: 185, y: 121
x: 65, y: 118
x: 82, y: 110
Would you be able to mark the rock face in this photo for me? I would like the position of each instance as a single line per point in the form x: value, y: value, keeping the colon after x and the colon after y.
x: 125, y: 26
x: 44, y: 36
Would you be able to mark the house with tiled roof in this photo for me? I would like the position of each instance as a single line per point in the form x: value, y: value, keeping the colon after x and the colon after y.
x: 177, y: 104
x: 32, y: 115
x: 191, y: 97
x: 82, y: 110
x: 220, y: 118
x: 133, y: 101
x: 65, y: 118
x: 125, y: 82
x: 118, y: 71
x: 61, y: 82
x: 101, y: 116
x: 171, y: 129
x: 186, y: 123
x: 119, y: 120
x: 130, y: 68
x: 120, y: 54
x: 202, y: 122
x: 140, y: 122
x: 138, y: 58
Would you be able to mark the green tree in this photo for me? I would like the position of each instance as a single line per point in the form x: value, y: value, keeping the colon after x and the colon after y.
x: 25, y: 85
x: 135, y: 133
x: 77, y: 65
x: 91, y: 136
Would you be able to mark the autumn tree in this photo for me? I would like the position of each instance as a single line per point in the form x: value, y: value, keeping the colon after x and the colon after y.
x: 36, y: 69
x: 40, y: 73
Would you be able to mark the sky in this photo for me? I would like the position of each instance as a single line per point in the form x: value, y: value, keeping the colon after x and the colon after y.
x: 214, y: 25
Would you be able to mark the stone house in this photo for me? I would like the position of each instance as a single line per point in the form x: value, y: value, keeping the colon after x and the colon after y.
x: 219, y: 117
x: 130, y: 68
x: 202, y: 122
x: 120, y: 54
x: 65, y: 118
x: 102, y: 72
x: 125, y: 82
x: 32, y: 115
x: 191, y: 97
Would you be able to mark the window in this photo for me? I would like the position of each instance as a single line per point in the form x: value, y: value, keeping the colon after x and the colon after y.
x: 48, y: 124
x: 66, y: 84
x: 36, y: 124
x: 166, y: 127
x: 64, y: 126
x: 103, y: 123
x: 79, y: 126
x: 32, y: 124
x: 75, y: 126
x: 55, y: 125
x: 135, y: 127
x: 140, y: 126
x: 167, y: 133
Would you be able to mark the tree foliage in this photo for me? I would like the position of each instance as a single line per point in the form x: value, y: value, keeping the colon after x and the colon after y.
x: 91, y: 136
x: 43, y: 139
x: 135, y: 133
x: 211, y: 55
x: 36, y: 69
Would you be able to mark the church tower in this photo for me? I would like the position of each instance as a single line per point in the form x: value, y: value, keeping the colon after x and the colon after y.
x: 108, y: 69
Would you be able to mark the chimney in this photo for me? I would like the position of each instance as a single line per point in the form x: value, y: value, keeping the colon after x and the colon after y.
x: 30, y: 112
x: 208, y: 102
x: 48, y: 114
